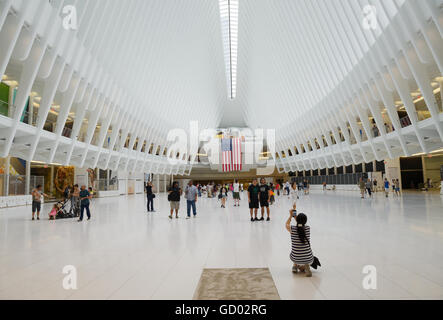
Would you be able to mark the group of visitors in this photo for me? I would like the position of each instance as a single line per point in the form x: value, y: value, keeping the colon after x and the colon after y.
x: 191, y: 195
x: 368, y: 186
x: 395, y: 184
x: 259, y: 197
x: 79, y: 199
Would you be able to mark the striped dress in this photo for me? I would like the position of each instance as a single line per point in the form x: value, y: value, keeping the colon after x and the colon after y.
x: 301, y: 252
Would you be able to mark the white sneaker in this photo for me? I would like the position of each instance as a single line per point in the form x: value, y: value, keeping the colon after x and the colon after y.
x: 188, y: 218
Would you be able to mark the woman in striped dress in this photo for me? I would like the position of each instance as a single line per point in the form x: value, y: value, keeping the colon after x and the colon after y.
x: 301, y: 254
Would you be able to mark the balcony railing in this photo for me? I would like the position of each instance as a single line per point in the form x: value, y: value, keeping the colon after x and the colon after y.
x: 17, y: 184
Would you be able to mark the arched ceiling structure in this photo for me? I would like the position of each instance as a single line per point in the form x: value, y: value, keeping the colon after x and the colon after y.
x: 321, y: 73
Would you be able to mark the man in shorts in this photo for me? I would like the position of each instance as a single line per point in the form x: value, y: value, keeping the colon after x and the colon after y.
x: 236, y: 193
x: 37, y: 201
x: 253, y: 192
x: 174, y: 194
x: 265, y: 195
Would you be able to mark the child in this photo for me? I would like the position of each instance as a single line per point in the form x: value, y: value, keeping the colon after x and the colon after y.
x: 53, y: 213
x: 294, y: 193
x: 301, y: 254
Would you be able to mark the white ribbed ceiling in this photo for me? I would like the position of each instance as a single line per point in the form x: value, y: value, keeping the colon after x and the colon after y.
x: 166, y: 53
x: 308, y: 68
x: 169, y: 55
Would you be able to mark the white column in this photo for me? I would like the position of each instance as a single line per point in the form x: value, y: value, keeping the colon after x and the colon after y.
x: 51, y: 185
x: 28, y: 177
x: 7, y: 173
x: 158, y: 183
x: 31, y: 110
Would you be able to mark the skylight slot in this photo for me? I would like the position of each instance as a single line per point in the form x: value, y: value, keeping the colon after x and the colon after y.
x: 229, y: 26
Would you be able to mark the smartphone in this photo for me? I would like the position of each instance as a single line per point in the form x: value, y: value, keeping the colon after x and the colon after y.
x: 294, y: 213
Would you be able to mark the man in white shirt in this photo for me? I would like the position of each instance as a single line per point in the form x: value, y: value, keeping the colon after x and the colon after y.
x: 287, y: 187
x: 236, y: 193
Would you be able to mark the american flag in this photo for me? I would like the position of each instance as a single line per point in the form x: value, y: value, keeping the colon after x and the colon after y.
x: 231, y: 154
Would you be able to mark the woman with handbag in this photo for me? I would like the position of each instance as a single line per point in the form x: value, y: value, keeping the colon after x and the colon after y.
x: 301, y: 254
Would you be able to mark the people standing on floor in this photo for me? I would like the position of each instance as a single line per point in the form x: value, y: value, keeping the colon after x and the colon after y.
x: 91, y: 195
x: 174, y: 194
x: 53, y: 213
x: 393, y: 186
x: 37, y: 195
x: 199, y: 188
x: 277, y: 187
x: 306, y: 187
x: 374, y: 184
x: 368, y: 186
x: 287, y: 188
x: 209, y: 190
x: 386, y: 187
x: 362, y: 186
x: 300, y: 186
x: 301, y: 253
x: 66, y: 193
x: 75, y: 199
x: 236, y: 193
x: 191, y: 195
x: 84, y: 197
x: 265, y: 198
x: 223, y: 196
x: 272, y: 191
x: 253, y: 193
x: 150, y: 196
x: 294, y: 193
x: 428, y: 184
x: 324, y: 185
x: 397, y: 187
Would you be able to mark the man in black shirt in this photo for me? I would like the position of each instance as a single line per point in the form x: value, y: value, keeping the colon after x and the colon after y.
x: 150, y: 196
x: 265, y: 195
x: 174, y: 198
x: 253, y: 192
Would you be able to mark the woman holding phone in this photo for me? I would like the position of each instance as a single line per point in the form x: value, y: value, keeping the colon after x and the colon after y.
x: 301, y: 254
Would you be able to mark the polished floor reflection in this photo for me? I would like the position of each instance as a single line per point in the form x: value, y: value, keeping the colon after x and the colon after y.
x: 126, y: 253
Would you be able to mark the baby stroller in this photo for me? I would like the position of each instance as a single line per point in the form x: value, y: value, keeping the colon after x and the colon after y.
x: 62, y: 211
x: 68, y: 209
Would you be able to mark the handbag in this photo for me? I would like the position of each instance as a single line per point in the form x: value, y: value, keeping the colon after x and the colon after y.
x: 316, y: 263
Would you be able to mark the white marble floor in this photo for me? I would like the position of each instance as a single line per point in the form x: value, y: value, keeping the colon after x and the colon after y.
x: 126, y: 253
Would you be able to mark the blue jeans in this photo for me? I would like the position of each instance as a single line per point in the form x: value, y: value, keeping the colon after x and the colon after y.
x: 191, y: 203
x: 83, y: 207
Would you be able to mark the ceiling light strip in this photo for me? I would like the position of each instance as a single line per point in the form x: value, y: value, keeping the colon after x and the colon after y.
x: 229, y: 26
